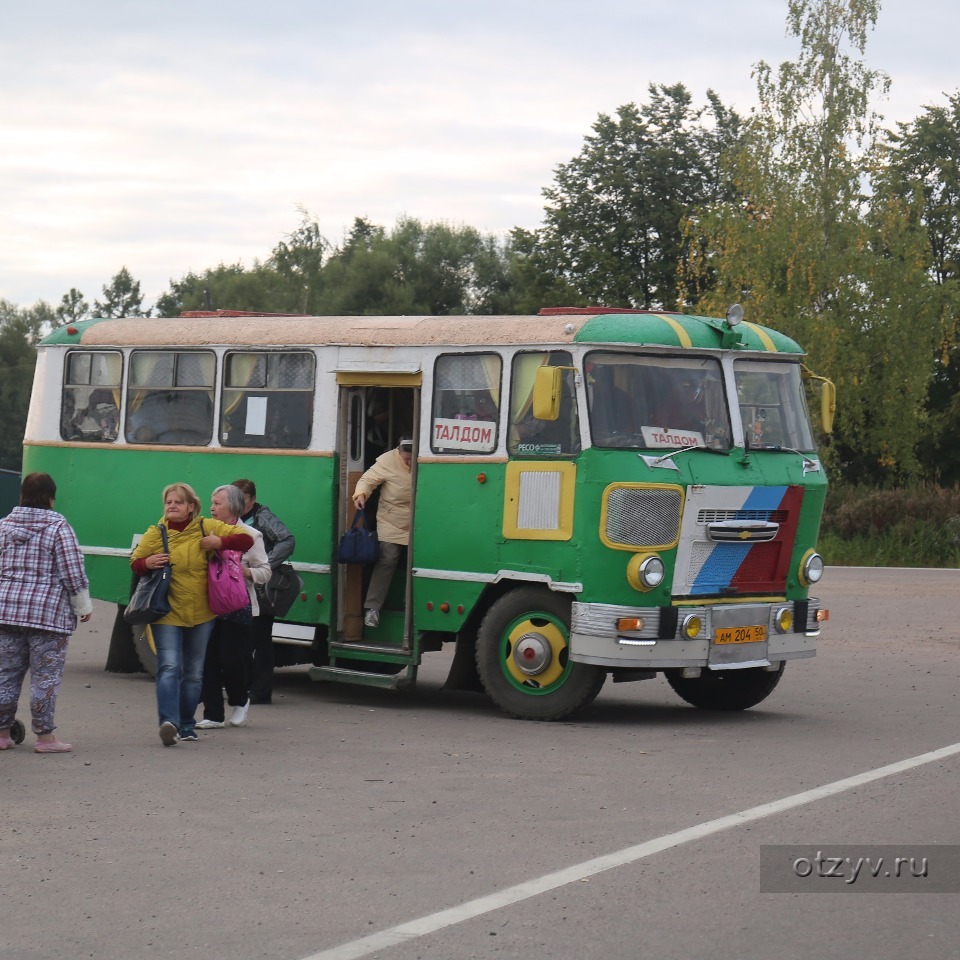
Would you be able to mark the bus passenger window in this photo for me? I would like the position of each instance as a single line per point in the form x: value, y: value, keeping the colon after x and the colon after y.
x: 91, y: 396
x: 267, y: 399
x: 542, y: 438
x: 466, y: 403
x: 170, y: 397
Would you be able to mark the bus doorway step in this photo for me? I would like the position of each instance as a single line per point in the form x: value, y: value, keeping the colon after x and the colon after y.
x: 365, y: 678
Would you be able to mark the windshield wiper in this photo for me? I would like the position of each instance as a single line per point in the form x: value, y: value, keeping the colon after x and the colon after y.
x: 656, y: 461
x: 808, y: 462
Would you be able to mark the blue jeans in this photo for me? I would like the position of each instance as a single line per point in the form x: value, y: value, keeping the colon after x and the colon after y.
x: 180, y: 653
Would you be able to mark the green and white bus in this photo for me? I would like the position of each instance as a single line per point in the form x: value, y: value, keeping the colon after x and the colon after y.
x: 596, y: 491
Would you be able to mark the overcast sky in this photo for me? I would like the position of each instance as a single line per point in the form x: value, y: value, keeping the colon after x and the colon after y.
x: 173, y: 137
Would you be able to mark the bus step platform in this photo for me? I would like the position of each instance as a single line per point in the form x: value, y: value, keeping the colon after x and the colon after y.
x: 364, y: 677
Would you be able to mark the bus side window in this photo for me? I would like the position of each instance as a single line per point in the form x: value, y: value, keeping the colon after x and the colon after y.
x: 267, y: 399
x: 538, y: 438
x: 466, y: 403
x: 90, y: 408
x: 170, y: 397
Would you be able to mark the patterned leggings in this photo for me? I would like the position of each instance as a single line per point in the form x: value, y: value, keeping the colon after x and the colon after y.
x: 44, y: 653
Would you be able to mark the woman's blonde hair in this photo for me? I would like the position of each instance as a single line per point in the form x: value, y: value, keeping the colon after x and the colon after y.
x: 186, y: 493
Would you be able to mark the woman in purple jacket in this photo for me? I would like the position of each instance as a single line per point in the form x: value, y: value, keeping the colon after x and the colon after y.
x: 43, y: 589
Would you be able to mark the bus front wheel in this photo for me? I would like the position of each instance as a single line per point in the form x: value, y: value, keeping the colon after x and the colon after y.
x: 726, y: 689
x: 523, y: 657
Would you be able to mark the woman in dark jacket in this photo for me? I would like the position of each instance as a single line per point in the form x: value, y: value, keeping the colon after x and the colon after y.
x: 279, y: 543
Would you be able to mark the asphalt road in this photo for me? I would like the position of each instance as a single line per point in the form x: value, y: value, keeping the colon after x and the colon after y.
x: 346, y: 822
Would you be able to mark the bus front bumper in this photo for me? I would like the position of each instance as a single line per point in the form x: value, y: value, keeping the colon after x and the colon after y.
x: 729, y: 636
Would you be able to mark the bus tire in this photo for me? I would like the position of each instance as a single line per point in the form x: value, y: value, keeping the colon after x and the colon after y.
x: 522, y: 655
x: 146, y: 651
x: 726, y: 689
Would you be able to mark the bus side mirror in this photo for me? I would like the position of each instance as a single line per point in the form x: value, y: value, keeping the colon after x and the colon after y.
x: 547, y: 387
x: 828, y: 405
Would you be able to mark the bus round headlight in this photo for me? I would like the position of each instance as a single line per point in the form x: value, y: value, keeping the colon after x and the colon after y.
x: 645, y: 571
x: 811, y: 568
x: 691, y: 626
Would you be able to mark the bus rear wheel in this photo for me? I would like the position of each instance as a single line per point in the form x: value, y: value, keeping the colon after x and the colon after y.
x: 523, y: 657
x: 726, y: 689
x: 146, y: 651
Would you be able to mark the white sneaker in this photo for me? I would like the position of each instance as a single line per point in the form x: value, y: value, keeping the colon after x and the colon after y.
x: 206, y: 724
x: 371, y: 618
x: 239, y: 715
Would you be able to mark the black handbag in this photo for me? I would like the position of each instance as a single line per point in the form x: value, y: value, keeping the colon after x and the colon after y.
x: 150, y: 601
x: 276, y: 596
x: 358, y: 545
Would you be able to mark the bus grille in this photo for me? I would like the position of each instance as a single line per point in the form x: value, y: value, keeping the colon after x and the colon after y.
x: 716, y: 516
x: 642, y: 517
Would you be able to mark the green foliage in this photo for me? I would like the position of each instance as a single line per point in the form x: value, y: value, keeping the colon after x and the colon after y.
x: 416, y: 268
x: 922, y: 165
x: 19, y: 332
x: 913, y: 527
x: 808, y: 253
x: 72, y: 307
x: 298, y: 260
x: 121, y: 298
x: 612, y: 223
x: 229, y: 288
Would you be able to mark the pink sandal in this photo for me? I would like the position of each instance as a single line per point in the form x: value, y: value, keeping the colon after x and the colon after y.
x: 6, y: 742
x: 52, y: 746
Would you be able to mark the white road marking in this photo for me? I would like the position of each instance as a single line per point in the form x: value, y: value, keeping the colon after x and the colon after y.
x: 532, y: 888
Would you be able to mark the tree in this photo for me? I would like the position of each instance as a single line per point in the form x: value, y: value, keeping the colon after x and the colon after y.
x: 923, y: 163
x: 72, y: 307
x: 299, y: 259
x: 19, y: 332
x: 121, y: 298
x: 416, y: 268
x: 228, y: 287
x: 612, y: 224
x: 812, y: 245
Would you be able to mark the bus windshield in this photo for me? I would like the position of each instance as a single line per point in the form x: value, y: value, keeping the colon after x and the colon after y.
x: 773, y: 406
x: 651, y: 402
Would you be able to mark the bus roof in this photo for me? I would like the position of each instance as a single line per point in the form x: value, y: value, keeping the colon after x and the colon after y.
x: 235, y: 328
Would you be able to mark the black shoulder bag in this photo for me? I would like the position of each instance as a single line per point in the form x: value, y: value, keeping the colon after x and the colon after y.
x: 149, y: 601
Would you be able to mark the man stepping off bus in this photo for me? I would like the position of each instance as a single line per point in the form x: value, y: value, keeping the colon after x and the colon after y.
x: 391, y: 473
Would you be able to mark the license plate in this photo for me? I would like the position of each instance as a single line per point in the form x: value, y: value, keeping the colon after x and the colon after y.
x: 740, y: 635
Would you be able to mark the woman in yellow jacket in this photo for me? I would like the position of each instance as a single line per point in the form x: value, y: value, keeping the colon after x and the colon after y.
x: 181, y: 636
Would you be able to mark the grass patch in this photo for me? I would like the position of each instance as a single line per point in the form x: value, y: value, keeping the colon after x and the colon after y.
x: 902, y: 527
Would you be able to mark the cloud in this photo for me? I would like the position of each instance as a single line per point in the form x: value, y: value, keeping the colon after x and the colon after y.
x: 169, y: 145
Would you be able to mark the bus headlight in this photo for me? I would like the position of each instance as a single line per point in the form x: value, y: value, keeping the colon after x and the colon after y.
x: 645, y: 571
x: 691, y: 626
x: 811, y: 568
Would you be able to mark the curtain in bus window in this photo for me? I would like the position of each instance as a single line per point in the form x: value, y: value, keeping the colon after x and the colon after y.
x: 90, y: 407
x: 532, y: 437
x: 170, y: 397
x: 267, y: 399
x: 773, y: 408
x: 466, y: 403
